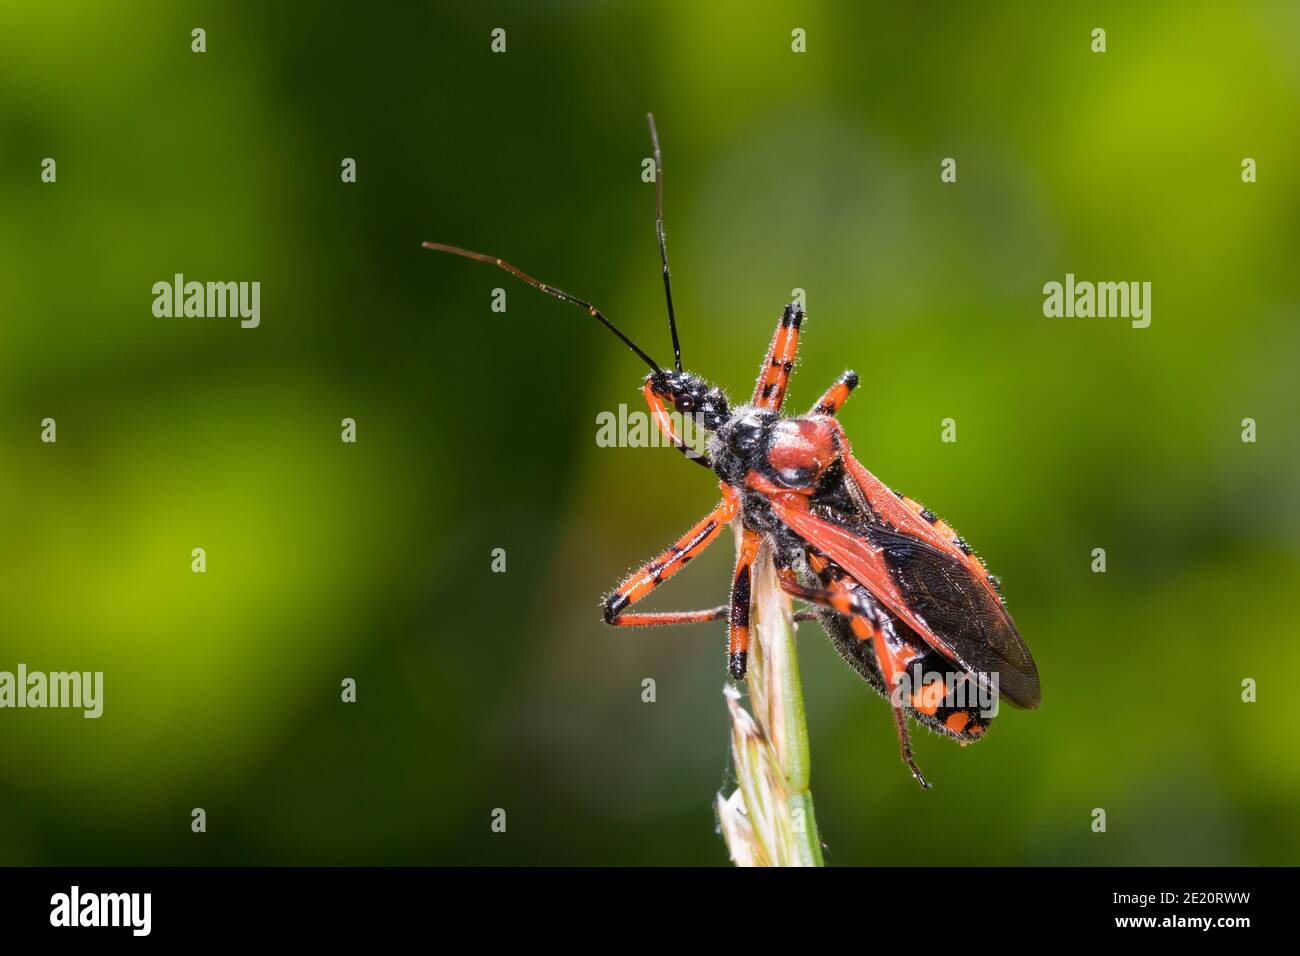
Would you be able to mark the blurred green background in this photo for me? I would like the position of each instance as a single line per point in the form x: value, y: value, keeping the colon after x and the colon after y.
x: 476, y: 430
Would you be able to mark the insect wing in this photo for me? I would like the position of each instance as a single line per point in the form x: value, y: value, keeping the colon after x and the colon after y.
x: 893, y: 509
x: 972, y: 626
x: 931, y: 591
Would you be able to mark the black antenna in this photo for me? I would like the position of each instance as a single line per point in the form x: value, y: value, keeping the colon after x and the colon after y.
x: 659, y: 231
x: 594, y: 312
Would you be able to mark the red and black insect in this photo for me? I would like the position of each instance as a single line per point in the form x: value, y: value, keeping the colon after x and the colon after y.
x: 904, y: 599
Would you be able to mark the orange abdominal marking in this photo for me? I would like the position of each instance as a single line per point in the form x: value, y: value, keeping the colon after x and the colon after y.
x: 957, y: 721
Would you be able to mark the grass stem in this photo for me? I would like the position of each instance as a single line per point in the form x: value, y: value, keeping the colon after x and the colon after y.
x: 777, y: 826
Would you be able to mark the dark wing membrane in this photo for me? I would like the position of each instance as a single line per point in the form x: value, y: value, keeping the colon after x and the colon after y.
x: 973, y: 627
x: 936, y: 595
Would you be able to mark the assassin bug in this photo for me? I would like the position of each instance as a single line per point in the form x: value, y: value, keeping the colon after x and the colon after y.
x: 898, y: 592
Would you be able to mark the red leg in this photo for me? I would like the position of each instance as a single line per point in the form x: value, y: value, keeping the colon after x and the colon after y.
x: 645, y: 579
x: 836, y: 395
x: 661, y: 618
x: 841, y: 600
x: 774, y: 376
x: 846, y: 596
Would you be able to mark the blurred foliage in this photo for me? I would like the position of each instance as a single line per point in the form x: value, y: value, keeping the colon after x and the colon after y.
x: 476, y: 430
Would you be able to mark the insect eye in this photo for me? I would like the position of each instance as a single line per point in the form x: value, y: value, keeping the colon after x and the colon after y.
x: 684, y: 402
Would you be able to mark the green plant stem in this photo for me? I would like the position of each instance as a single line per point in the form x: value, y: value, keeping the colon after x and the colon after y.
x: 797, y: 758
x: 771, y: 748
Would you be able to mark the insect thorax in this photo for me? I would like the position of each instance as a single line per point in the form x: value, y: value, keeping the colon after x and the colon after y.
x: 739, y: 444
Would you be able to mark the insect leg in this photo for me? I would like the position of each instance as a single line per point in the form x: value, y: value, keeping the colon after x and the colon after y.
x: 660, y: 618
x: 741, y: 591
x: 774, y: 376
x: 843, y: 600
x: 844, y: 595
x: 836, y: 395
x: 648, y: 577
x: 905, y: 744
x: 803, y: 614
